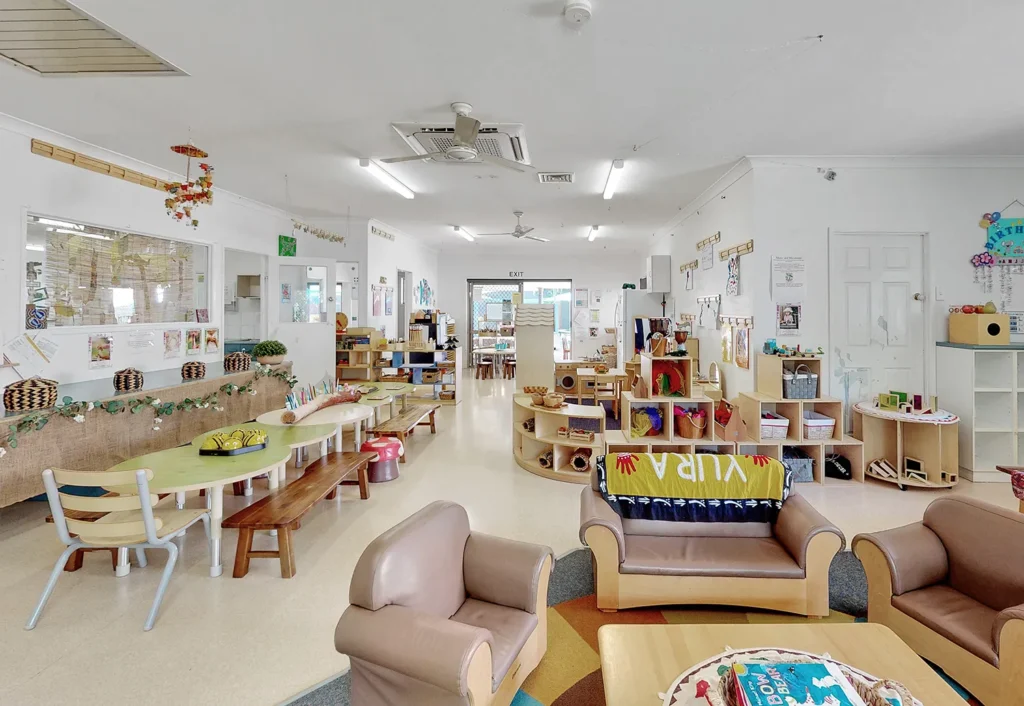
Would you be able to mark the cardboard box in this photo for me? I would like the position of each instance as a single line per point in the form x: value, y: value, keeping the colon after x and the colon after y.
x: 980, y: 329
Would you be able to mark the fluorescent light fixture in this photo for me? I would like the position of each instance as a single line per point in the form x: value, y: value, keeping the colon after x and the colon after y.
x: 592, y: 235
x: 614, y: 174
x: 62, y: 224
x: 463, y: 233
x: 80, y: 234
x: 36, y: 248
x: 386, y: 179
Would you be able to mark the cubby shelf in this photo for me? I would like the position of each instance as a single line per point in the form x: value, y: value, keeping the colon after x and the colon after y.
x: 529, y: 446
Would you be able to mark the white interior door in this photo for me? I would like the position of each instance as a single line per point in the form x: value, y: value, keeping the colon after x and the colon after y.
x: 301, y: 308
x: 876, y: 329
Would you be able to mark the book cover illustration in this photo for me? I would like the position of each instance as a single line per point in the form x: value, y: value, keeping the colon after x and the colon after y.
x: 793, y: 684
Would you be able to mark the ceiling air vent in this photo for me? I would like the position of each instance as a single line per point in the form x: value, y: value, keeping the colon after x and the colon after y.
x: 506, y: 140
x: 555, y: 177
x: 55, y: 38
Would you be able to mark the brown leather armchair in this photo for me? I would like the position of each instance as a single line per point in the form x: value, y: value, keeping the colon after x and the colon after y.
x: 643, y: 562
x: 441, y: 615
x: 952, y: 587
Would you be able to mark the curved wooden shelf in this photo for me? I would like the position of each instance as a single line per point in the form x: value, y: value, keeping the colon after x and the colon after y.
x: 564, y: 476
x: 572, y: 410
x: 908, y: 482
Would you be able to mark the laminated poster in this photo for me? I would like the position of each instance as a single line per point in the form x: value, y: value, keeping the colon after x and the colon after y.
x: 193, y: 341
x: 212, y: 340
x: 172, y: 343
x: 580, y: 298
x: 101, y: 350
x: 788, y: 279
x: 707, y: 257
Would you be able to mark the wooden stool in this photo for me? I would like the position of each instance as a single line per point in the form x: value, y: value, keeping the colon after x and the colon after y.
x: 510, y: 368
x: 485, y: 369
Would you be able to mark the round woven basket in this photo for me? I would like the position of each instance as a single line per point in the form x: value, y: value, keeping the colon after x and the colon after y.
x: 237, y: 362
x: 31, y: 394
x: 193, y: 370
x: 127, y: 380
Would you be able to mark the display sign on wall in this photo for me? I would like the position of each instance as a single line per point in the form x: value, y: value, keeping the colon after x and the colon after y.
x: 286, y: 246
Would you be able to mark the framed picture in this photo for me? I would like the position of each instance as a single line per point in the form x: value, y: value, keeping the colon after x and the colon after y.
x: 202, y: 316
x: 172, y: 343
x: 727, y: 343
x: 287, y: 246
x: 193, y: 341
x: 212, y: 340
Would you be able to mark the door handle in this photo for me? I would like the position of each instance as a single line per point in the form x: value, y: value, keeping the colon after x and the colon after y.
x: 918, y: 297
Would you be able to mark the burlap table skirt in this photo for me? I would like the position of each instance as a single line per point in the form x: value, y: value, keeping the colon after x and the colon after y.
x: 104, y: 440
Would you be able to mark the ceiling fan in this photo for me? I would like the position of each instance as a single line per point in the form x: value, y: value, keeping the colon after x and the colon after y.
x: 463, y: 147
x: 521, y: 231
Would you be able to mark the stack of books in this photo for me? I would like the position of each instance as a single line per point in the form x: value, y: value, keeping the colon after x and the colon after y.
x: 792, y: 684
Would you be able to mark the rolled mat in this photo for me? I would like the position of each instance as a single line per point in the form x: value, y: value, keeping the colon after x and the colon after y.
x: 320, y: 402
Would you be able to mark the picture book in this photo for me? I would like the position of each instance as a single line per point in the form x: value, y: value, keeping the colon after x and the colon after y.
x: 793, y: 684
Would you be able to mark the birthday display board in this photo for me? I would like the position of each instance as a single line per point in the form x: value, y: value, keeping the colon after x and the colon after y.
x: 1004, y: 249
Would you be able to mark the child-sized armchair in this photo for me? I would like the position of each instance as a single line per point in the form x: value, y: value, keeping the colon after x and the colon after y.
x: 441, y: 615
x: 952, y: 587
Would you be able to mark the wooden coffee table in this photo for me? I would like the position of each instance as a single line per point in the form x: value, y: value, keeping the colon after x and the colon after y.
x: 640, y: 661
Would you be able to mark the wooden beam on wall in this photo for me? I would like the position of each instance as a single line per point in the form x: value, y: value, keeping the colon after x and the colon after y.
x: 45, y: 149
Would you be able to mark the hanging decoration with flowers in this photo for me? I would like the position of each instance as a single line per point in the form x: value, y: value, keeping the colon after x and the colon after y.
x: 185, y: 196
x: 1004, y: 248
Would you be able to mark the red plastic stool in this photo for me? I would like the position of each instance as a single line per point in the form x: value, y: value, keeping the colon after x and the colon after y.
x: 388, y: 451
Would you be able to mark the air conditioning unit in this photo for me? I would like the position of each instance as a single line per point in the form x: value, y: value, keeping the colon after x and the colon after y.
x: 506, y: 140
x: 657, y: 277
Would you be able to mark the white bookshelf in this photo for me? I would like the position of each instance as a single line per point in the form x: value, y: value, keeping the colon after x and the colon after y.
x: 984, y: 386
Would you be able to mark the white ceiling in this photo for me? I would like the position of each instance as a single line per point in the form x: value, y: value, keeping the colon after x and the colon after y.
x: 679, y: 90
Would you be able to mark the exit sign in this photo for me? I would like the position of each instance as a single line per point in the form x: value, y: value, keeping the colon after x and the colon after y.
x: 515, y: 273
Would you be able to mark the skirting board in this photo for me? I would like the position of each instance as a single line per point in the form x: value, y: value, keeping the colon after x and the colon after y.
x: 984, y: 476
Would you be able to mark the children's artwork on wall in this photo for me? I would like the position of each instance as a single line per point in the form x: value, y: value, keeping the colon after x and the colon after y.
x: 35, y: 316
x: 212, y: 340
x: 707, y: 256
x: 742, y: 352
x: 378, y: 300
x: 1004, y: 248
x: 172, y: 343
x: 101, y: 350
x: 389, y: 301
x: 286, y: 293
x: 202, y: 316
x: 193, y: 341
x: 593, y: 332
x: 788, y: 319
x: 732, y: 283
x: 424, y: 295
x: 689, y: 279
x: 726, y: 343
x: 286, y: 246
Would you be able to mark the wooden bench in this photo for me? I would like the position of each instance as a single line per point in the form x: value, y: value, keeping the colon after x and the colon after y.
x: 403, y: 424
x: 283, y: 509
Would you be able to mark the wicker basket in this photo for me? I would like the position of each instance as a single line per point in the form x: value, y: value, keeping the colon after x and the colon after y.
x: 689, y: 427
x: 128, y: 380
x: 817, y: 426
x: 237, y: 362
x: 774, y: 427
x: 393, y: 378
x: 431, y: 376
x: 193, y: 370
x: 27, y: 395
x: 450, y: 395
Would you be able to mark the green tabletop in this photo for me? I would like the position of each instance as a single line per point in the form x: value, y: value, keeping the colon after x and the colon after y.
x: 182, y: 468
x: 386, y: 392
x: 291, y: 436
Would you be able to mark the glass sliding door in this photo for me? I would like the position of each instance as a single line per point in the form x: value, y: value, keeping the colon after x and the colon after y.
x: 491, y: 312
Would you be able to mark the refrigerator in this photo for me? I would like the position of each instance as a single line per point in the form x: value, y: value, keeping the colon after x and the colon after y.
x: 633, y: 303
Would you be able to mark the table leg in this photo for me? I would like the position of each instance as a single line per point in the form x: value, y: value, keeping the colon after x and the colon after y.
x: 123, y: 565
x: 376, y: 415
x: 274, y: 478
x: 216, y: 517
x: 404, y: 398
x: 391, y: 407
x: 358, y: 435
x: 298, y: 457
x: 337, y: 438
x: 248, y: 487
x: 179, y: 500
x: 323, y: 449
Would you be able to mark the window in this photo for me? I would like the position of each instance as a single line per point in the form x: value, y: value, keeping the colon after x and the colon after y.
x: 82, y: 275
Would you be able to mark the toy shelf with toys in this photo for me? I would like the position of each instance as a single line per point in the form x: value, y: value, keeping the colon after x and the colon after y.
x: 560, y: 443
x: 910, y: 449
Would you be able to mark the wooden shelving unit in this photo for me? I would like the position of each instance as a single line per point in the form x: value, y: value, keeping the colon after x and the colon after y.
x: 768, y: 398
x: 445, y: 366
x: 528, y: 447
x: 934, y: 446
x: 354, y: 353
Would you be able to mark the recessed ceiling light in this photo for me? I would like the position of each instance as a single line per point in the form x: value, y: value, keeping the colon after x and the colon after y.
x: 384, y: 178
x: 614, y: 174
x: 592, y: 235
x: 462, y: 232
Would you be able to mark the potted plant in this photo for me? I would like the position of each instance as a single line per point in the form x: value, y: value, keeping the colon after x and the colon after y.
x: 269, y: 352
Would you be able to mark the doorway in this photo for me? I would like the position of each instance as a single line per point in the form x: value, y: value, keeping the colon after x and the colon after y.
x: 877, y: 315
x: 404, y: 287
x: 491, y: 312
x: 245, y: 322
x: 346, y: 292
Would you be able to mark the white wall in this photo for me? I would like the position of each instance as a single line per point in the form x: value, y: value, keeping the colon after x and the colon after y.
x: 733, y: 216
x: 30, y: 183
x: 384, y: 258
x: 597, y: 270
x: 794, y: 209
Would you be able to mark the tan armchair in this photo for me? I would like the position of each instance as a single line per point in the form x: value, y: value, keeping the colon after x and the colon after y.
x: 952, y: 587
x: 441, y: 615
x: 643, y: 562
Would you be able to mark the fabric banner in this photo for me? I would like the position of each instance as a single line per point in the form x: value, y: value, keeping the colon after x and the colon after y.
x: 694, y: 487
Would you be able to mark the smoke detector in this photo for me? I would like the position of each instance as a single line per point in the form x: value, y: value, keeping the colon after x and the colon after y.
x: 578, y: 12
